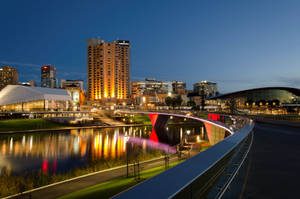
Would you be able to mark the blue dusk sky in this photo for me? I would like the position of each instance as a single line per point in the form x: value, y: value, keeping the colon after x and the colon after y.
x: 240, y: 44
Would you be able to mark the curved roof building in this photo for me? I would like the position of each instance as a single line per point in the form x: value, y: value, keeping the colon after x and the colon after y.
x: 260, y: 100
x: 27, y: 98
x: 282, y: 94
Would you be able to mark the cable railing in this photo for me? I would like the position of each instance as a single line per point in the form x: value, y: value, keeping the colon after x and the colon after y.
x: 210, y: 174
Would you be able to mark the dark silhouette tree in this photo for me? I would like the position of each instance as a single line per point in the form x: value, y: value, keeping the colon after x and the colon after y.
x: 169, y: 101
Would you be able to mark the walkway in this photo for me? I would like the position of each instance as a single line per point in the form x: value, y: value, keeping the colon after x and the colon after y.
x: 274, y: 163
x: 61, y: 189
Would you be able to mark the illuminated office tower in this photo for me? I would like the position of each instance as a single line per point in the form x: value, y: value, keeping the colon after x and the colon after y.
x: 108, y: 70
x: 8, y: 76
x: 48, y: 77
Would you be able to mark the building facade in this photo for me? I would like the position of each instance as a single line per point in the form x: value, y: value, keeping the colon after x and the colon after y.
x: 270, y: 100
x: 179, y: 87
x: 71, y: 83
x: 151, y: 91
x: 108, y: 70
x: 8, y: 76
x: 27, y: 98
x: 48, y: 77
x: 206, y: 88
x: 75, y: 90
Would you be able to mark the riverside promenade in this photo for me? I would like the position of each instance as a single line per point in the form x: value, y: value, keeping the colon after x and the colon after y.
x: 68, y: 186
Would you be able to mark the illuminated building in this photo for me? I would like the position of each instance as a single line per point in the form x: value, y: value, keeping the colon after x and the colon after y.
x: 8, y: 76
x: 151, y: 91
x: 48, y: 77
x: 179, y: 87
x: 71, y: 83
x: 271, y: 100
x: 206, y: 88
x: 75, y: 90
x: 108, y: 70
x: 28, y: 98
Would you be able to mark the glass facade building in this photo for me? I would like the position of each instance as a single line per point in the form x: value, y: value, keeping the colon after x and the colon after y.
x: 263, y: 98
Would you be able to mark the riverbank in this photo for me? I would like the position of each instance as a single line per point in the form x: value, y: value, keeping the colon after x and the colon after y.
x: 64, y: 186
x: 42, y: 125
x: 25, y: 127
x: 117, y: 185
x: 68, y: 186
x: 17, y: 125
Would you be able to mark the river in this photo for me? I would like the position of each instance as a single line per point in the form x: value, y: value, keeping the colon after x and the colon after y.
x: 59, y: 152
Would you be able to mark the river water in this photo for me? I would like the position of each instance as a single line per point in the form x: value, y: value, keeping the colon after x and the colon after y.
x: 59, y: 152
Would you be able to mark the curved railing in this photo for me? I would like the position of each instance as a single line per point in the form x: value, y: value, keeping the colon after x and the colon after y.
x: 215, y: 123
x: 206, y: 175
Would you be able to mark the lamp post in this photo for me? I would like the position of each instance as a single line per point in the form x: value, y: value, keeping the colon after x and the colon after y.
x: 127, y: 160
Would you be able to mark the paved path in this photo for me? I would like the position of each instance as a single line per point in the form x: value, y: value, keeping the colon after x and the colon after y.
x: 274, y: 163
x: 80, y: 183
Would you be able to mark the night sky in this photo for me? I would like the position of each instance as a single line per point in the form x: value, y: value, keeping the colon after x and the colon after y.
x: 238, y: 44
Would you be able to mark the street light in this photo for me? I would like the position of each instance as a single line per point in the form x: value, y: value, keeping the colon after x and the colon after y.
x: 127, y: 160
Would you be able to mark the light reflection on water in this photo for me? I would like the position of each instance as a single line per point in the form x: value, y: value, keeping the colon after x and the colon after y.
x: 62, y: 151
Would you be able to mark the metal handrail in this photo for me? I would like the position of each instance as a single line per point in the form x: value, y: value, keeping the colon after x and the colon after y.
x: 226, y: 186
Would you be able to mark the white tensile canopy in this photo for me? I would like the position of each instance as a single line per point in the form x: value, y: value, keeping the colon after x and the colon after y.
x: 16, y: 94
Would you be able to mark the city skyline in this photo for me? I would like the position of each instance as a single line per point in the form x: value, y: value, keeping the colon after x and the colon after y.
x: 239, y: 45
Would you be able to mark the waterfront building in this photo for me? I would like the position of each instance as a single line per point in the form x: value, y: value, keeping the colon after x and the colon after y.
x: 8, y: 76
x: 271, y: 100
x: 28, y: 98
x: 108, y: 70
x: 75, y: 90
x: 179, y: 87
x: 71, y: 83
x: 151, y: 91
x: 48, y: 77
x: 206, y: 88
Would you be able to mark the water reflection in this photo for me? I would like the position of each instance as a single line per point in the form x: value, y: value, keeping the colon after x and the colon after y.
x: 60, y: 152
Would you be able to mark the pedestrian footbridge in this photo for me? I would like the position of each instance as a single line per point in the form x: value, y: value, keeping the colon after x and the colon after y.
x: 211, y: 173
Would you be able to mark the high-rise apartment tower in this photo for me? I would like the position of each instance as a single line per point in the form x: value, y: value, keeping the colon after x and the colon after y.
x: 108, y: 70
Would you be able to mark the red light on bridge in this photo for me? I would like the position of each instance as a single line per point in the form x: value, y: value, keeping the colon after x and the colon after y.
x: 153, y: 136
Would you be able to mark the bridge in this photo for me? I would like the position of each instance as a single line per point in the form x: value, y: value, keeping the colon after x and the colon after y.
x: 216, y: 131
x: 259, y: 160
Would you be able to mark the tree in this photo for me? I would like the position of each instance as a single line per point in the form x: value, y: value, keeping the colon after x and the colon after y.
x: 231, y: 103
x: 191, y: 103
x: 169, y: 101
x: 177, y: 101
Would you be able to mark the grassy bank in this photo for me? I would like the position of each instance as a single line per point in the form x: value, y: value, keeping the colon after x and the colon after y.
x: 112, y: 187
x: 13, y: 184
x: 27, y: 124
x: 141, y: 119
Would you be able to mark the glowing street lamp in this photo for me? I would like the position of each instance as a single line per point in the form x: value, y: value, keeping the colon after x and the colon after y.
x: 127, y: 160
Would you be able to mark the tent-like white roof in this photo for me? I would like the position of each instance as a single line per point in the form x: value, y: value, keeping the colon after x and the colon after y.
x: 15, y: 94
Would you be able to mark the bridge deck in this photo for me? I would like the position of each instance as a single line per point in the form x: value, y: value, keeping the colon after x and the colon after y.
x: 274, y: 169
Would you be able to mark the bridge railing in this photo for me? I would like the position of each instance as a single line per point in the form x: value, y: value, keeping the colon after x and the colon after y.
x: 206, y: 175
